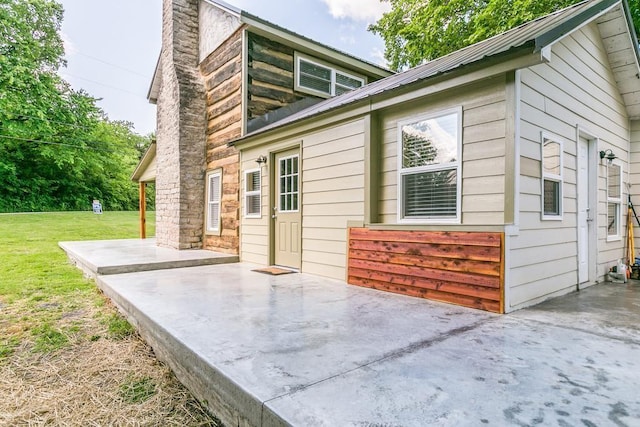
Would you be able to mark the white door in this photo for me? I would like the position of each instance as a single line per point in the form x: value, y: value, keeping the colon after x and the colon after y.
x: 585, y: 216
x: 286, y: 212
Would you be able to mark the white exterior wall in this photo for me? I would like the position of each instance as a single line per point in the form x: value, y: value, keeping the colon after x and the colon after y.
x: 332, y: 194
x: 483, y: 150
x: 634, y: 178
x: 576, y: 89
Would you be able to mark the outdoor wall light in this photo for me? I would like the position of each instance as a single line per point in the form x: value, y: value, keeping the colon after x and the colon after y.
x: 261, y: 160
x: 608, y: 154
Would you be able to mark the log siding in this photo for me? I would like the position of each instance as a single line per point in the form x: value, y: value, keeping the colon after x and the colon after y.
x: 222, y: 71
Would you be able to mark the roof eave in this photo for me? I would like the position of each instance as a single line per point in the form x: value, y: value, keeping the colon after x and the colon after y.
x: 145, y: 160
x: 573, y: 23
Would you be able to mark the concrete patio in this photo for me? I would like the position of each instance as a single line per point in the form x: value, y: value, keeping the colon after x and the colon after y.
x: 303, y: 350
x: 131, y: 255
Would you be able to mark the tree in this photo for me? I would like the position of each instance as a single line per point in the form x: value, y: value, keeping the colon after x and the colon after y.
x: 58, y: 151
x: 415, y: 31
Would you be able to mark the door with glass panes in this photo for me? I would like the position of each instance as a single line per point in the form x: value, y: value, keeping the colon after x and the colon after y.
x: 287, y: 210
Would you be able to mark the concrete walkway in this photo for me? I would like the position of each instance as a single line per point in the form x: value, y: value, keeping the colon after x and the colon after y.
x: 132, y: 255
x: 302, y: 350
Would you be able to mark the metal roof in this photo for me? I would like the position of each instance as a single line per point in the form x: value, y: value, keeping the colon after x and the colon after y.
x: 534, y: 35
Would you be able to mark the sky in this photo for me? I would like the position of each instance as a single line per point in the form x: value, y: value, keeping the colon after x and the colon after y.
x: 112, y: 46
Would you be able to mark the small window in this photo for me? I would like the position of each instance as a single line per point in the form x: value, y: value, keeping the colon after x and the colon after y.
x: 289, y: 179
x: 429, y: 168
x: 214, y: 196
x: 551, y: 179
x: 252, y: 194
x: 321, y: 79
x: 614, y: 200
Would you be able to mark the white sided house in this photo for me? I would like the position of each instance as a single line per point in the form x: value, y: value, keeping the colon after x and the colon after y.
x: 477, y: 178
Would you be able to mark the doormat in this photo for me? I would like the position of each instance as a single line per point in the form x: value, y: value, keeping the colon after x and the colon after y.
x: 274, y: 271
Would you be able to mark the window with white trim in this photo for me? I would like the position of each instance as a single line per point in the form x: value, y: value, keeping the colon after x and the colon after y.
x: 614, y: 200
x: 551, y: 179
x: 252, y: 194
x: 429, y: 168
x: 214, y: 196
x: 321, y: 79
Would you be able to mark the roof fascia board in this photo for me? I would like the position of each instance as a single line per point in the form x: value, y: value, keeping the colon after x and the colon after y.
x: 460, y: 77
x: 631, y: 30
x: 265, y: 28
x: 147, y: 157
x: 154, y: 82
x: 573, y: 24
x: 518, y: 59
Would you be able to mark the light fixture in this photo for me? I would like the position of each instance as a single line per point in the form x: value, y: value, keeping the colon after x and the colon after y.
x: 261, y: 160
x: 608, y: 154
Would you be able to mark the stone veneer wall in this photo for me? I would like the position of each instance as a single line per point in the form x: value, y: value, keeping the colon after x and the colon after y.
x: 181, y: 130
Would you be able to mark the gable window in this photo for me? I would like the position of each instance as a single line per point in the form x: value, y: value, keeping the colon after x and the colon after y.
x: 551, y: 179
x: 321, y: 79
x: 429, y: 168
x: 614, y: 200
x: 214, y: 196
x: 252, y: 194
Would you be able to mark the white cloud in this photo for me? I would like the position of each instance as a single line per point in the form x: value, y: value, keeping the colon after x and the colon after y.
x: 361, y: 10
x: 377, y: 55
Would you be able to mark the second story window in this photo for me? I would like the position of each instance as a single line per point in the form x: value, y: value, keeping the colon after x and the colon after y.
x: 318, y: 78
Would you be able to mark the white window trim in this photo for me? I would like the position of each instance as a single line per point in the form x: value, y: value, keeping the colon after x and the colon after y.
x: 551, y: 177
x: 431, y: 168
x: 299, y: 192
x: 333, y: 69
x: 213, y: 230
x: 248, y: 193
x: 616, y: 237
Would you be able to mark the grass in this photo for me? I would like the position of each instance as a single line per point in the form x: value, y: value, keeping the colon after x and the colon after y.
x: 67, y: 357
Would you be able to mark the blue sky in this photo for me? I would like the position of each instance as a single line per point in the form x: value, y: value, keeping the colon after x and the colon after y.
x: 112, y: 46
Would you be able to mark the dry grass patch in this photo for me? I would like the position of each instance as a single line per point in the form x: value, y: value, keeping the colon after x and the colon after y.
x: 86, y: 375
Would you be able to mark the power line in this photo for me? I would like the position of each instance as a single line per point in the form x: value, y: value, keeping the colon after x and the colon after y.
x: 20, y: 116
x: 113, y: 65
x: 40, y: 141
x: 106, y: 85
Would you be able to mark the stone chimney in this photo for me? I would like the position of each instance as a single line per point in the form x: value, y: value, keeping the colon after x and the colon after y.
x: 181, y: 130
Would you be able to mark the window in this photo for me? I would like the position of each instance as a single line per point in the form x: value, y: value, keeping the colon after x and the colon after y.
x: 614, y: 200
x: 252, y: 194
x: 289, y: 182
x: 429, y: 168
x: 321, y: 79
x: 551, y: 179
x: 214, y: 195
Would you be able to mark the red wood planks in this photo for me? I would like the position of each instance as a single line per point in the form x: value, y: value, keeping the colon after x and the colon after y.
x: 464, y: 268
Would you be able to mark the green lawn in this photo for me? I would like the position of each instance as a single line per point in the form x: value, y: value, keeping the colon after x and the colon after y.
x: 67, y: 357
x: 31, y: 263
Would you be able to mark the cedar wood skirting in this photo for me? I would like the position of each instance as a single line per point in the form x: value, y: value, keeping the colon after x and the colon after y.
x: 463, y: 268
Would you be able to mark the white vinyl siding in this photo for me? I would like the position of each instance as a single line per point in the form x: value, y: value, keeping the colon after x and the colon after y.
x: 322, y: 79
x: 214, y: 195
x: 332, y: 177
x: 575, y: 89
x: 614, y: 200
x: 429, y: 168
x: 252, y: 194
x: 482, y: 152
x: 552, y: 170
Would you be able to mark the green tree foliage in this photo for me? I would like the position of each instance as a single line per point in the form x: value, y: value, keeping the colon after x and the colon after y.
x: 418, y: 30
x: 57, y: 149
